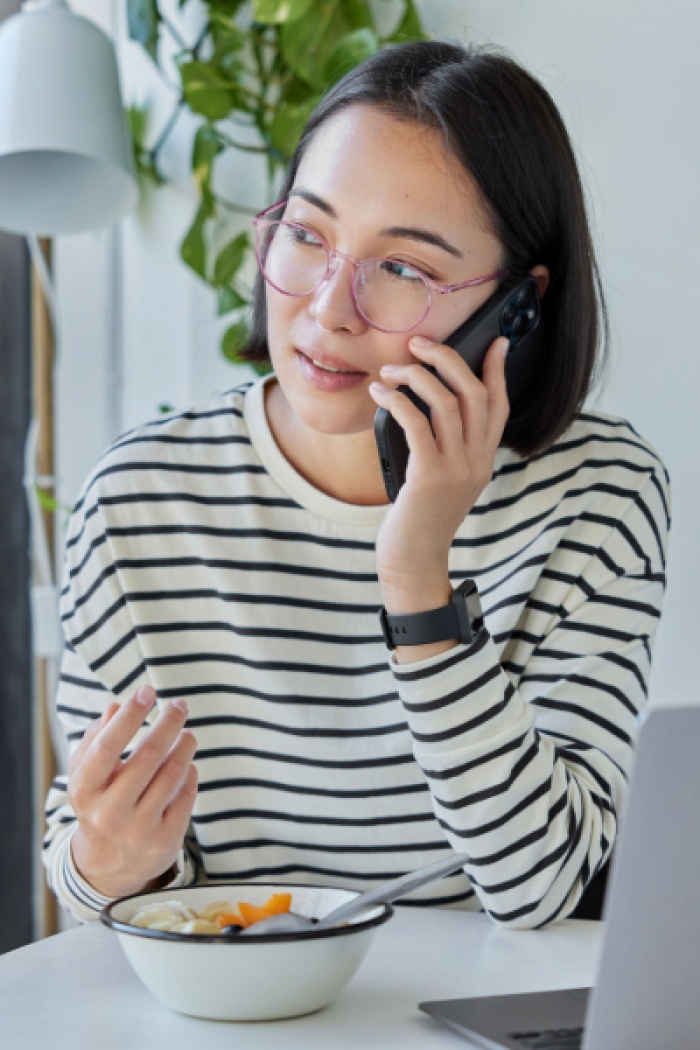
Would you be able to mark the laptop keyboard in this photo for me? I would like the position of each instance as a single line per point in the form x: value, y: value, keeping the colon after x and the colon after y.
x: 551, y: 1039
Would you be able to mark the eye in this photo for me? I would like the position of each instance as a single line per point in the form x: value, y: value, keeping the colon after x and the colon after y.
x: 301, y: 235
x: 401, y: 271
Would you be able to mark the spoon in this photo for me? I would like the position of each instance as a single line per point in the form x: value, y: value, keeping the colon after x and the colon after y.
x: 291, y: 922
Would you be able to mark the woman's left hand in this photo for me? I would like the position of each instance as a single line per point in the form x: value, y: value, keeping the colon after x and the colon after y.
x: 446, y: 473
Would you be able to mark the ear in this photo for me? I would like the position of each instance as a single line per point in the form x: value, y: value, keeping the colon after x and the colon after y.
x: 542, y: 275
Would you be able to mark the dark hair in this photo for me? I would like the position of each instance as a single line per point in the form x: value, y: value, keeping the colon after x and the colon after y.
x: 504, y: 128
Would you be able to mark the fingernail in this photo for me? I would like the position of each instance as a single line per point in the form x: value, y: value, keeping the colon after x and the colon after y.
x: 421, y: 342
x: 389, y: 368
x: 379, y: 388
x: 504, y: 346
x: 145, y: 696
x: 181, y: 706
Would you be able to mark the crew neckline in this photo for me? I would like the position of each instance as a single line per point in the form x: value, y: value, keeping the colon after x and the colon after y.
x: 289, y: 479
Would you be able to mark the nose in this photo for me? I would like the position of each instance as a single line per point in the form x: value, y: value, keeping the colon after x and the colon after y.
x: 332, y: 305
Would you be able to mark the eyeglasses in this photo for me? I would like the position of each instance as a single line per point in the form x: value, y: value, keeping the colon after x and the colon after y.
x: 391, y: 295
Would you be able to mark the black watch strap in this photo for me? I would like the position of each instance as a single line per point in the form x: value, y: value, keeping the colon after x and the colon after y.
x: 451, y: 621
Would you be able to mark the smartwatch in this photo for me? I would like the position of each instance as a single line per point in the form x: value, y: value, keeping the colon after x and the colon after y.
x: 461, y: 619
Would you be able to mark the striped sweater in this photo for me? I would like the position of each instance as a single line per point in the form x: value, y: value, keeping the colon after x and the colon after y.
x: 199, y: 561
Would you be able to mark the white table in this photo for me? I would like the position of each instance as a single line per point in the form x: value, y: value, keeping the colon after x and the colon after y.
x: 76, y: 991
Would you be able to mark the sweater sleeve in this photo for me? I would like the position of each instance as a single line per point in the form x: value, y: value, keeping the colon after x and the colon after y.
x: 82, y: 698
x: 528, y: 768
x: 89, y: 680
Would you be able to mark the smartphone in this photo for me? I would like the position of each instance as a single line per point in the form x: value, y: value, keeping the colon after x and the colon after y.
x: 514, y: 310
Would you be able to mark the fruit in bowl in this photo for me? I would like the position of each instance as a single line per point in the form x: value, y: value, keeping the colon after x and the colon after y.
x: 200, y: 966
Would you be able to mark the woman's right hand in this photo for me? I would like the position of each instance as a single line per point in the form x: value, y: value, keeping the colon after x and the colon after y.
x: 132, y: 814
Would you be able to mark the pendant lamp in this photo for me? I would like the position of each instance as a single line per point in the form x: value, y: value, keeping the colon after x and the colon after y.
x: 66, y: 162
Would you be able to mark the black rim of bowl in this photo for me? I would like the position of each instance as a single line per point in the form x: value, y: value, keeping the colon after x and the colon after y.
x: 216, y: 938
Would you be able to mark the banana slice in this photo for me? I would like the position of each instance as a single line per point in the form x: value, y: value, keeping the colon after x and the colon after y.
x: 168, y: 911
x: 218, y: 908
x: 196, y: 926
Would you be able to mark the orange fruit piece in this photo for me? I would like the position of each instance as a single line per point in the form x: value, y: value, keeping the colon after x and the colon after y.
x: 251, y: 913
x: 227, y: 918
x: 278, y: 903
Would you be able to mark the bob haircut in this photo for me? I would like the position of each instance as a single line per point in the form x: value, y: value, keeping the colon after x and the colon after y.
x: 504, y: 128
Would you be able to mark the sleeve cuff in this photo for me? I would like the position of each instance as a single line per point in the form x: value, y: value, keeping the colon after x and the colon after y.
x: 85, y: 902
x: 459, y: 699
x: 424, y: 667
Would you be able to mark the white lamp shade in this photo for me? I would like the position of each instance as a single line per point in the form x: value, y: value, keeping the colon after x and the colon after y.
x: 66, y: 162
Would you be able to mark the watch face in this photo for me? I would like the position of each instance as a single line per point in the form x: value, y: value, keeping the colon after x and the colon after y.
x: 473, y: 602
x: 383, y: 617
x: 460, y: 620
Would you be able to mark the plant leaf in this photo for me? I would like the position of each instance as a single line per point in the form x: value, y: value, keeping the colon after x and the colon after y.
x: 233, y: 340
x: 277, y: 12
x: 228, y: 35
x: 193, y: 248
x: 146, y: 167
x: 143, y: 22
x: 230, y: 259
x: 295, y: 91
x: 138, y: 121
x: 348, y: 52
x: 49, y: 503
x: 288, y: 124
x: 228, y: 299
x: 305, y: 43
x: 206, y: 147
x: 358, y: 14
x: 205, y: 92
x: 410, y: 26
x: 228, y: 6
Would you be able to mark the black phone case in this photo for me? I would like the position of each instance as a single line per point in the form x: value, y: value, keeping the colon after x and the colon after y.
x: 514, y: 310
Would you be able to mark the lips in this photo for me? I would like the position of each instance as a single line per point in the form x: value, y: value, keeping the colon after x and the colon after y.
x: 330, y: 362
x: 325, y: 381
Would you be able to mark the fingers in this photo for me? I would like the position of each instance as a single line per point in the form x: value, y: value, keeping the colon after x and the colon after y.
x: 465, y: 411
x: 445, y: 410
x: 416, y: 427
x: 167, y: 783
x: 494, y: 379
x: 90, y: 733
x: 102, y: 753
x: 477, y: 398
x: 147, y: 758
x: 177, y: 814
x: 132, y: 814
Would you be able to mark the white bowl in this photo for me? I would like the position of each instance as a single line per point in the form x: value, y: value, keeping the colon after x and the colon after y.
x: 259, y: 978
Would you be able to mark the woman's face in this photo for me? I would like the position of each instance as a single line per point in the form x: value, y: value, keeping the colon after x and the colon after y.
x: 374, y: 187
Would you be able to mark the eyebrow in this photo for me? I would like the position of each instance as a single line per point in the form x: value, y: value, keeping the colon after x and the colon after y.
x: 414, y: 233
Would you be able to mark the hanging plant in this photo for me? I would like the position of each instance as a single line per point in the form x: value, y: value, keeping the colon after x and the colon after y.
x: 264, y: 64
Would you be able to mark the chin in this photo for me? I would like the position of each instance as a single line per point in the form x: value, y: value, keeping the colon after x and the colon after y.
x: 332, y: 422
x: 331, y: 414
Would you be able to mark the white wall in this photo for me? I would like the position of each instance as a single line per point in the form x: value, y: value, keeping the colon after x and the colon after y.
x: 139, y: 329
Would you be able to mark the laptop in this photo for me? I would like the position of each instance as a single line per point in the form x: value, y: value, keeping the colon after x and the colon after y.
x: 647, y: 991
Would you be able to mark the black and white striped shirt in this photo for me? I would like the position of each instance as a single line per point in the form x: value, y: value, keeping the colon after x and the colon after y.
x: 201, y: 562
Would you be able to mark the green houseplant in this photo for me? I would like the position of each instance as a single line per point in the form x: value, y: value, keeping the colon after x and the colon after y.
x: 262, y: 65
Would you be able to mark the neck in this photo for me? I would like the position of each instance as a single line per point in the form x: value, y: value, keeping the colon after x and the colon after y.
x: 344, y: 466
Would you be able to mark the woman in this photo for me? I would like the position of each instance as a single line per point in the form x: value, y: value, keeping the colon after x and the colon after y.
x: 232, y: 560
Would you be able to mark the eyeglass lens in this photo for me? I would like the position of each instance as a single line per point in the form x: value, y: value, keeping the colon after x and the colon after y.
x: 390, y: 294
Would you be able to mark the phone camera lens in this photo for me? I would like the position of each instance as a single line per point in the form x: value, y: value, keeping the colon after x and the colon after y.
x: 525, y: 298
x: 510, y: 312
x: 521, y: 326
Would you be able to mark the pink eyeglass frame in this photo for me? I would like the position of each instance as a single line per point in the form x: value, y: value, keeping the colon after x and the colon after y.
x: 333, y: 253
